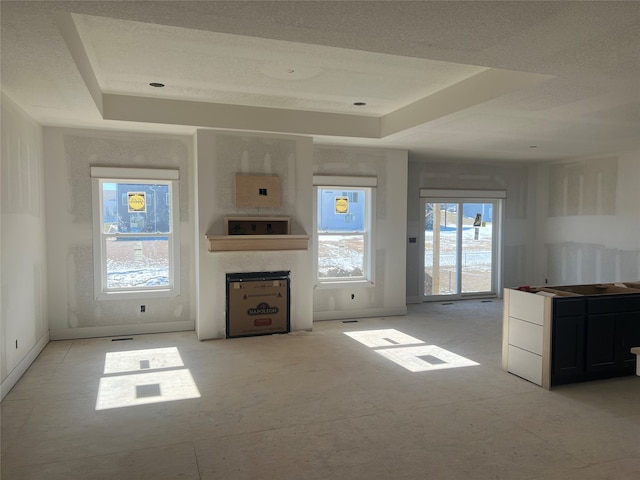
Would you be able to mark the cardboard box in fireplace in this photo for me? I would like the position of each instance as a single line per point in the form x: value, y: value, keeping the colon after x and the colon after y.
x: 257, y: 307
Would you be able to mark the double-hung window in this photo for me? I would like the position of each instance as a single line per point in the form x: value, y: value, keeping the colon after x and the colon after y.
x: 136, y: 232
x: 343, y: 230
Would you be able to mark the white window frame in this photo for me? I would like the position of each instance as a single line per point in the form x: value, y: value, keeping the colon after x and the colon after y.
x: 368, y: 184
x: 100, y: 175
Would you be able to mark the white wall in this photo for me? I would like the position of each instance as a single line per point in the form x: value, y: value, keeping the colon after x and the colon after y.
x: 519, y: 231
x: 387, y: 295
x: 589, y: 220
x: 23, y: 303
x: 219, y: 157
x: 73, y: 310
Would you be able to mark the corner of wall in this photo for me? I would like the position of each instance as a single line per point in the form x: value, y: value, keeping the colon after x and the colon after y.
x: 23, y: 297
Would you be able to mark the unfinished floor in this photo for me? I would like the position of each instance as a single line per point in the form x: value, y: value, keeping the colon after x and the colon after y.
x: 315, y: 405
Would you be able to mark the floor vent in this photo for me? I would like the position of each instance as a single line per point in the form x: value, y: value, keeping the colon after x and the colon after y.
x: 487, y: 301
x: 448, y: 303
x: 121, y: 339
x: 350, y: 321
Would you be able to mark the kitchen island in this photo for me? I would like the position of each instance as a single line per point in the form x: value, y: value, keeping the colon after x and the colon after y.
x: 571, y: 333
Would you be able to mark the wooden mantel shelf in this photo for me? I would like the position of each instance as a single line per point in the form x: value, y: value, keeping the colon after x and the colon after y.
x: 245, y: 243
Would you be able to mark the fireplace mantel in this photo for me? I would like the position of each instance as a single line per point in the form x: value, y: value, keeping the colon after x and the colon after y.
x: 238, y: 243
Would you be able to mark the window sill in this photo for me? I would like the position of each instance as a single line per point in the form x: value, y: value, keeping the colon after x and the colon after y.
x: 345, y: 284
x: 138, y: 294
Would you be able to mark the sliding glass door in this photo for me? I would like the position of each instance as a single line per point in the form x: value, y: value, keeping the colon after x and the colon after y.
x: 460, y: 247
x: 441, y: 246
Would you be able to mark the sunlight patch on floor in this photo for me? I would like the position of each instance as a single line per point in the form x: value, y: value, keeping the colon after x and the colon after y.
x: 392, y: 344
x: 140, y: 377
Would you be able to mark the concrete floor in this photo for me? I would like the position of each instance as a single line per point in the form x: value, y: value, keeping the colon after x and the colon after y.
x: 314, y: 405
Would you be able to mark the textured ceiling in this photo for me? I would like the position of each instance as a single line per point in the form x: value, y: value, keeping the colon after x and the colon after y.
x: 467, y: 80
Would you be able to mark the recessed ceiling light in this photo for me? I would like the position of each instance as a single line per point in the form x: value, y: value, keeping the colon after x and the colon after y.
x: 359, y: 104
x: 156, y: 84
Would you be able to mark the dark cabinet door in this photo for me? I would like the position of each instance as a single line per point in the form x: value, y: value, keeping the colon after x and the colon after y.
x: 592, y: 337
x: 601, y: 342
x: 568, y: 347
x: 627, y: 337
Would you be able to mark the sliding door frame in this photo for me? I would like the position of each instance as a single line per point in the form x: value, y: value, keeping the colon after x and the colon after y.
x: 497, y: 197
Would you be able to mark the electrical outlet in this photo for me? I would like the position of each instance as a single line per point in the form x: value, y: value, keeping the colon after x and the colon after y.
x: 143, y: 308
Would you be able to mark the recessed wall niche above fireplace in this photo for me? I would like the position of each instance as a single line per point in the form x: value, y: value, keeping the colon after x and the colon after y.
x: 257, y: 233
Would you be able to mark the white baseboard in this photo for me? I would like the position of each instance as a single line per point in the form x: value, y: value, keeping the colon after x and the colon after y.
x: 119, y: 330
x: 364, y: 313
x: 24, y: 364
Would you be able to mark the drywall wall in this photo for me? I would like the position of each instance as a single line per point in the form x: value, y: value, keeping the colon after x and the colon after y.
x: 589, y: 220
x: 518, y: 240
x: 23, y: 299
x: 73, y: 309
x: 220, y: 156
x: 386, y: 296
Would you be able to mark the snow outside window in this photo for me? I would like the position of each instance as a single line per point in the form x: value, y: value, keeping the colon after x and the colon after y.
x: 135, y: 224
x: 343, y: 234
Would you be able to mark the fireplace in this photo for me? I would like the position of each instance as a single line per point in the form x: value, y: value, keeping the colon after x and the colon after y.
x: 258, y: 303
